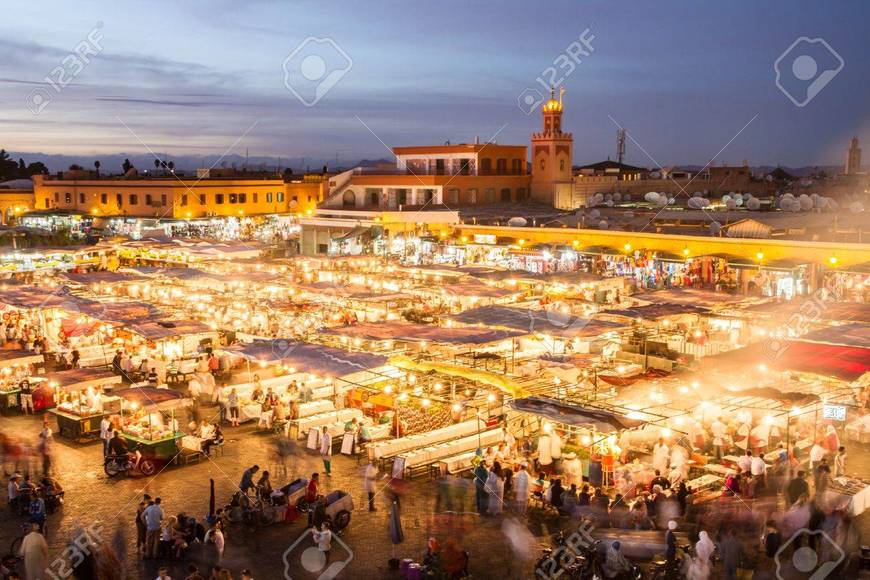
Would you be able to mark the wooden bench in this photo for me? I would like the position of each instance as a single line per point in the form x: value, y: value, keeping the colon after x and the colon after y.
x: 189, y: 456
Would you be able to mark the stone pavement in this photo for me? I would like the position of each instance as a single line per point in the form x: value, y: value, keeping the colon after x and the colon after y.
x: 91, y: 496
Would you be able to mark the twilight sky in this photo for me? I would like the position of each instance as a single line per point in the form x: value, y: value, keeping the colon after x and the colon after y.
x: 205, y: 77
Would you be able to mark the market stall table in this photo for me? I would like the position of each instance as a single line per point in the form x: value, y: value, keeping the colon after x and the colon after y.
x: 77, y: 426
x: 849, y: 494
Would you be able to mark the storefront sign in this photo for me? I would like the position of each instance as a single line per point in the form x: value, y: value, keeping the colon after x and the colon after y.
x: 835, y: 412
x: 484, y: 239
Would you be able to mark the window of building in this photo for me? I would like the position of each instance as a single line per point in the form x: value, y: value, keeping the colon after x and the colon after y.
x: 402, y: 196
x: 234, y: 198
x: 472, y: 196
x: 374, y: 197
x: 486, y: 164
x: 464, y: 165
x: 104, y: 198
x: 521, y: 194
x: 561, y: 165
x: 269, y: 197
x: 243, y: 198
x: 148, y: 199
x: 322, y: 248
x: 505, y: 194
x: 163, y: 199
x: 134, y: 199
x: 516, y: 165
x: 218, y: 198
x: 119, y: 199
x: 453, y: 195
x: 81, y: 198
x: 294, y: 198
x: 281, y: 197
x: 183, y: 199
x: 542, y: 164
x: 67, y: 198
x: 255, y: 196
x: 501, y: 165
x: 490, y: 194
x: 56, y: 197
x: 310, y: 199
x: 201, y: 199
x: 47, y: 203
x: 348, y: 199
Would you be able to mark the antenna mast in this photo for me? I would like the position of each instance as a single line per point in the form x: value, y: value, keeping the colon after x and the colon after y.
x: 620, y: 145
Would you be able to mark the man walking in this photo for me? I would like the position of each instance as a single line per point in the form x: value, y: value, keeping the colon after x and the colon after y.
x: 105, y: 433
x: 371, y: 473
x: 153, y: 517
x: 326, y: 451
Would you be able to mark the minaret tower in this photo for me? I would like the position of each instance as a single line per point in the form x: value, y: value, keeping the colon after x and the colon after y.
x: 853, y: 158
x: 552, y: 156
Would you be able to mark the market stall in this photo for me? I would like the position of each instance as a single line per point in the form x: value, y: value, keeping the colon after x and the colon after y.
x: 79, y: 397
x: 15, y: 366
x: 149, y: 421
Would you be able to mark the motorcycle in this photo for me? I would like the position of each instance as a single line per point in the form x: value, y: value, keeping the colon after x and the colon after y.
x: 115, y: 465
x: 673, y: 570
x: 571, y: 562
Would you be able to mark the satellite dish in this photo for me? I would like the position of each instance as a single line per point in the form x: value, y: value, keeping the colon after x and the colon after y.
x: 517, y: 222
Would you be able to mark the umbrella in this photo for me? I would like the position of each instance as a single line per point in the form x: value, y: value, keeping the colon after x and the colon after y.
x: 211, y: 497
x: 397, y: 535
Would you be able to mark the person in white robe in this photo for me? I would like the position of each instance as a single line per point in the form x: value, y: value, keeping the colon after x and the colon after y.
x: 521, y: 489
x: 661, y: 453
x: 34, y: 551
x: 494, y: 492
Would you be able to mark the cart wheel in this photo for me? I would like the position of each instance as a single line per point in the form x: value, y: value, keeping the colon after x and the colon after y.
x: 16, y: 545
x: 342, y: 519
x: 148, y: 467
x: 110, y: 468
x: 302, y: 505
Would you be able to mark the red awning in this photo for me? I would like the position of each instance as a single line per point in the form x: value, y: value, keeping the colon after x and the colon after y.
x: 843, y: 362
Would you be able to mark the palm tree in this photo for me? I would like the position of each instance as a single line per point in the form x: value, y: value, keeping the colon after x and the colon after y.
x: 171, y: 166
x: 97, y: 166
x: 156, y: 165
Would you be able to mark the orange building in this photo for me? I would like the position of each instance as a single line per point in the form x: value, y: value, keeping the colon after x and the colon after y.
x: 13, y: 203
x: 452, y: 175
x: 176, y: 196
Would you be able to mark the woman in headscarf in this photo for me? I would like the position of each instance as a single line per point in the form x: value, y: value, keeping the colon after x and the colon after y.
x: 616, y: 563
x: 699, y: 569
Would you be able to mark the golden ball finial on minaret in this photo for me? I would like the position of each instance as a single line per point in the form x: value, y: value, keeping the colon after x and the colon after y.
x: 553, y: 105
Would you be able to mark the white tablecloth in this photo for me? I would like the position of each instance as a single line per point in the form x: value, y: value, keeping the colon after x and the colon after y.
x: 403, y: 444
x: 435, y: 452
x: 854, y: 504
x: 191, y: 443
x: 331, y: 418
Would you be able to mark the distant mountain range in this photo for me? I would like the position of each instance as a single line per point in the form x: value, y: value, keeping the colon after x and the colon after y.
x: 111, y: 163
